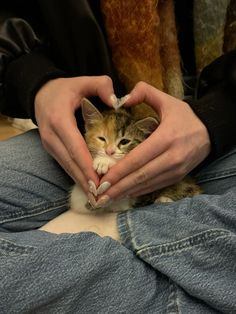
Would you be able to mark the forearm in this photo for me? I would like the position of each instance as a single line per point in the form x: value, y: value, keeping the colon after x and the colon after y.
x: 24, y: 77
x: 24, y: 68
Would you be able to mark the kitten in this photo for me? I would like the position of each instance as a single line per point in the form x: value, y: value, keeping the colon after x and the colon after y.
x: 110, y: 135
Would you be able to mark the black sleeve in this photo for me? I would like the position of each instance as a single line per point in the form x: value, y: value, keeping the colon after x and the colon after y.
x: 25, y: 66
x: 215, y: 102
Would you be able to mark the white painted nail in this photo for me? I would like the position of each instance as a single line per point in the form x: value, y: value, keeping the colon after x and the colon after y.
x: 113, y: 100
x: 116, y: 106
x: 124, y: 99
x: 104, y: 200
x: 91, y: 200
x: 103, y: 187
x: 92, y: 187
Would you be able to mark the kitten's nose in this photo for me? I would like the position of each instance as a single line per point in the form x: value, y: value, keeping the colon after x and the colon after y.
x: 110, y: 150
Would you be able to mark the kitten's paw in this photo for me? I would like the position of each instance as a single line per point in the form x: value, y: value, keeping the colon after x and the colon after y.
x: 102, y: 164
x: 164, y: 199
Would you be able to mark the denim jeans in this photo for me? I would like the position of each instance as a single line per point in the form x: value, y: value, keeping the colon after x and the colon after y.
x: 174, y: 258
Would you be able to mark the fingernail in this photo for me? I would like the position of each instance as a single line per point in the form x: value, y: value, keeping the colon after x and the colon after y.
x: 92, y: 187
x: 121, y: 102
x: 124, y: 99
x: 103, y: 187
x: 104, y: 200
x: 91, y: 200
x: 113, y: 100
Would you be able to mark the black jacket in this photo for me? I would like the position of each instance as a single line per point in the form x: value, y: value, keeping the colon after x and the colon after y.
x: 45, y: 39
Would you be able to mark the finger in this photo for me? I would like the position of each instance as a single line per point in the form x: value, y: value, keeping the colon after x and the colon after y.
x: 165, y: 179
x: 165, y: 170
x: 101, y: 86
x: 77, y: 151
x: 60, y: 154
x: 148, y: 94
x: 155, y: 184
x: 142, y: 178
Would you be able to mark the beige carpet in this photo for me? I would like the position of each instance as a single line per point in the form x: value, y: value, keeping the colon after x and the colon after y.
x: 6, y: 130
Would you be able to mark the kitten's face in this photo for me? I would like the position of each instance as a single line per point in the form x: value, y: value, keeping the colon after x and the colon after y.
x: 114, y: 133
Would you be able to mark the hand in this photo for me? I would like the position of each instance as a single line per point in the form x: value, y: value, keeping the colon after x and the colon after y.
x: 178, y: 145
x: 55, y: 106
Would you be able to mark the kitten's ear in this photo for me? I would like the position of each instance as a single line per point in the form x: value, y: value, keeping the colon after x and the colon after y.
x: 89, y: 111
x: 147, y: 125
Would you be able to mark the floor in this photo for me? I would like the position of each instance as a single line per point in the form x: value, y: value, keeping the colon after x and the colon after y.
x: 6, y: 130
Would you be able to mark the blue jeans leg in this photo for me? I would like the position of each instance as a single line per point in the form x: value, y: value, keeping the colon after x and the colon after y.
x: 75, y: 273
x: 33, y: 188
x: 176, y: 258
x: 69, y: 273
x: 192, y: 241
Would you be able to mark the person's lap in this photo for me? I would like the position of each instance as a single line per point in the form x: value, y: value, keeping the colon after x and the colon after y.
x: 69, y: 273
x: 33, y: 190
x: 192, y: 241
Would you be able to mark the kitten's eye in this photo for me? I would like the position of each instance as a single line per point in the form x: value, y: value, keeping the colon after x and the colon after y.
x: 102, y: 139
x: 124, y: 141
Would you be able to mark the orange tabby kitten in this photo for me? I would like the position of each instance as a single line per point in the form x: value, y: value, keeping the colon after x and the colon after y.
x: 110, y: 135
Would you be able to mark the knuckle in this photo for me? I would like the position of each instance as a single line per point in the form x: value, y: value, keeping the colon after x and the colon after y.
x: 68, y: 165
x: 136, y: 163
x: 177, y: 156
x: 54, y: 121
x: 178, y: 161
x: 72, y: 150
x: 45, y: 135
x: 140, y: 177
x: 106, y: 79
x: 141, y: 85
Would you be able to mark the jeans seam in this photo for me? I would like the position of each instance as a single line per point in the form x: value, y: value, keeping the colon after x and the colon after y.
x: 172, y: 304
x: 124, y: 228
x: 168, y: 249
x: 12, y: 248
x: 31, y: 213
x: 216, y: 175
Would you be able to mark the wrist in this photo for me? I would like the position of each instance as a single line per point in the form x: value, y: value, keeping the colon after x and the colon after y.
x: 43, y: 90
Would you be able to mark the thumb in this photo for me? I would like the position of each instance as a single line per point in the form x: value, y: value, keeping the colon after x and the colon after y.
x: 101, y: 86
